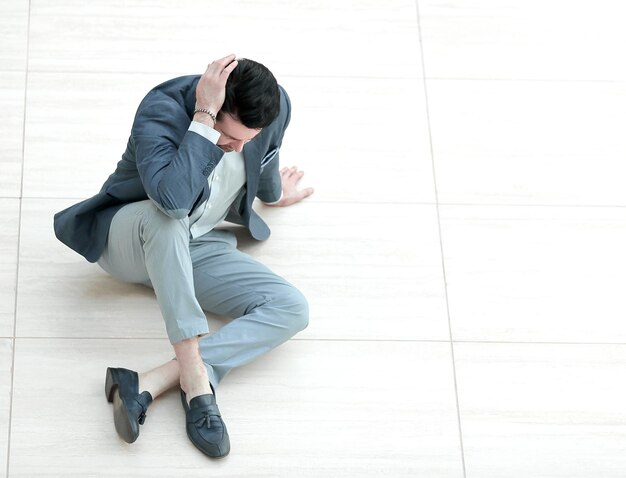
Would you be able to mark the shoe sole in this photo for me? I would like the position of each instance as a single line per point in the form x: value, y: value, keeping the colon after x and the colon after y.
x: 123, y: 424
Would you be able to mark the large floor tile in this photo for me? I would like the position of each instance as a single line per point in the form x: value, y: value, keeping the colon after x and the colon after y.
x: 13, y: 34
x: 285, y: 413
x: 6, y: 361
x: 362, y: 279
x: 529, y: 142
x: 369, y: 271
x: 360, y: 140
x: 78, y: 125
x: 542, y: 410
x: 11, y: 129
x: 340, y: 135
x: 318, y: 38
x: 9, y: 225
x: 535, y: 273
x: 60, y: 294
x: 538, y: 39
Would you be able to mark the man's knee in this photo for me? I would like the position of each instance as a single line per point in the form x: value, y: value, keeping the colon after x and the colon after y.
x: 293, y: 307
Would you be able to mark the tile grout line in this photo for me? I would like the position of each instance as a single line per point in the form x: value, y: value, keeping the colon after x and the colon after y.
x: 175, y: 73
x: 348, y: 339
x: 312, y: 201
x: 172, y: 74
x: 390, y: 203
x: 443, y: 264
x: 295, y: 339
x: 19, y: 237
x: 97, y: 71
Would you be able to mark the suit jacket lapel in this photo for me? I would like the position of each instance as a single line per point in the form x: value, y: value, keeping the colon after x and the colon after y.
x: 252, y: 156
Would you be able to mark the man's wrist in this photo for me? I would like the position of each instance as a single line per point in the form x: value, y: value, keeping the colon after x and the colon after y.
x: 207, y: 109
x: 204, y: 118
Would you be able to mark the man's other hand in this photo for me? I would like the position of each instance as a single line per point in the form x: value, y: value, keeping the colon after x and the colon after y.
x: 290, y: 177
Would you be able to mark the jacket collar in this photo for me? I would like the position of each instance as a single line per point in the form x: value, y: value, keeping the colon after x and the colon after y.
x: 252, y: 156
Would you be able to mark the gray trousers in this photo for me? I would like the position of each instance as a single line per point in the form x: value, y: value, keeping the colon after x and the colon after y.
x: 205, y: 273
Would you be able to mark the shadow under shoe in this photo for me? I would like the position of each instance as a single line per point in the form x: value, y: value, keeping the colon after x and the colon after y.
x: 129, y: 406
x: 205, y: 427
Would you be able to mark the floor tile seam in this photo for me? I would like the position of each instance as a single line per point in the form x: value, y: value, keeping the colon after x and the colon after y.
x: 386, y: 340
x: 519, y: 205
x: 441, y: 246
x: 531, y: 343
x: 525, y: 80
x: 424, y: 203
x: 348, y: 77
x: 178, y: 73
x: 312, y: 201
x: 149, y: 17
x: 19, y: 238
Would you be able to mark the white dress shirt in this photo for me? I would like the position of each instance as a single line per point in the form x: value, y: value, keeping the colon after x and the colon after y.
x: 225, y: 183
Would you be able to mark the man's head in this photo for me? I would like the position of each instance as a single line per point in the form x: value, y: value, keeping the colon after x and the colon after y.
x: 252, y: 102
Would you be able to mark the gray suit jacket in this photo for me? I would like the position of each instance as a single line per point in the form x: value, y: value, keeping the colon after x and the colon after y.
x: 167, y: 163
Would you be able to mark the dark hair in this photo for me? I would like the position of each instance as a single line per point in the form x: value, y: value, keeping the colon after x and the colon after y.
x: 252, y: 95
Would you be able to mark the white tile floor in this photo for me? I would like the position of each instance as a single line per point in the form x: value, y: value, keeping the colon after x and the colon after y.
x: 463, y: 254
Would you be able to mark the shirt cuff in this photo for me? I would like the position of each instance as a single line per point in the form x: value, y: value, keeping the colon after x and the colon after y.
x: 275, y: 202
x: 205, y: 131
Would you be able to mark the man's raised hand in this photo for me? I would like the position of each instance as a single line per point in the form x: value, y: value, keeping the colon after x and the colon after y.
x: 211, y: 89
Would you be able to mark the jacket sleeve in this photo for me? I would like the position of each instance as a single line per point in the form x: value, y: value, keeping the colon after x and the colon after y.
x: 270, y: 187
x: 173, y: 163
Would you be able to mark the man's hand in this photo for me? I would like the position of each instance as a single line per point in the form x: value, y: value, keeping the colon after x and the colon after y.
x: 289, y: 178
x: 211, y: 89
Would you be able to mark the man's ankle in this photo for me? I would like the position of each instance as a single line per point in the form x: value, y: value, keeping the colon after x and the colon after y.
x: 187, y: 350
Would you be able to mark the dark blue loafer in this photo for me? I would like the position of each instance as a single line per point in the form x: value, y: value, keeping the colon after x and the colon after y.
x: 129, y: 406
x: 205, y: 427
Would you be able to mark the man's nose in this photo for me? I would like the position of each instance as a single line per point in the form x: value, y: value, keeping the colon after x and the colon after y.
x: 238, y: 146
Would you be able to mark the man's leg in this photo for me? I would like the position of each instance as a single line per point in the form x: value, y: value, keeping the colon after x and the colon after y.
x: 267, y: 310
x: 146, y: 246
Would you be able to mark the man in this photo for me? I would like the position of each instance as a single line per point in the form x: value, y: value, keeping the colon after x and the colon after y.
x: 200, y: 150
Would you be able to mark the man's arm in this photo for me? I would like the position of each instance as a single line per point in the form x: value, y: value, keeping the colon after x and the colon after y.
x: 174, y: 176
x: 282, y: 185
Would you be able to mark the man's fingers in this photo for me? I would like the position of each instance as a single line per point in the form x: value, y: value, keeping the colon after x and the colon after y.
x: 291, y: 170
x: 296, y: 176
x: 219, y: 66
x: 230, y: 68
x: 226, y: 60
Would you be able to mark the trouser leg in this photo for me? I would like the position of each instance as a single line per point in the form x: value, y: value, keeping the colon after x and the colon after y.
x: 146, y: 246
x: 267, y: 310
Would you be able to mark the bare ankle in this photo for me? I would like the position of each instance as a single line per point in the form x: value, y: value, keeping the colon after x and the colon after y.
x: 187, y: 350
x: 141, y: 378
x: 159, y: 379
x: 194, y: 379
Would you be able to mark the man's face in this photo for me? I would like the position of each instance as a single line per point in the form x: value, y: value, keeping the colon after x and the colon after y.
x: 233, y: 134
